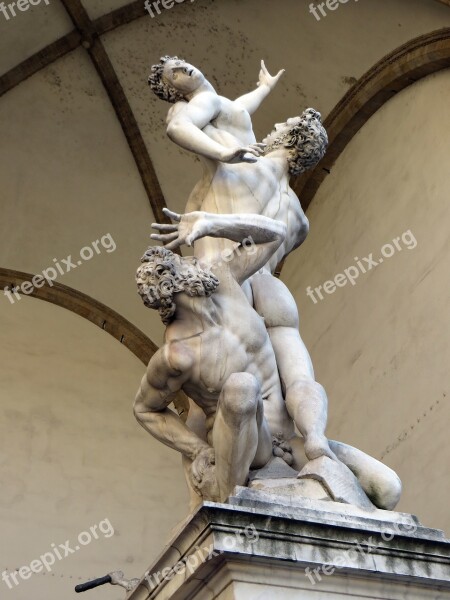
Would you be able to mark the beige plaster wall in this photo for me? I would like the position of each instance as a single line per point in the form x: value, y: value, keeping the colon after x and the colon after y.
x: 72, y: 455
x: 381, y: 347
x: 68, y: 179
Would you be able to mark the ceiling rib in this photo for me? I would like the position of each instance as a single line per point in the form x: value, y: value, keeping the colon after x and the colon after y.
x: 93, y: 44
x: 121, y: 16
x: 64, y: 45
x: 38, y: 61
x: 88, y: 308
x: 94, y: 311
x: 87, y: 34
x: 407, y: 64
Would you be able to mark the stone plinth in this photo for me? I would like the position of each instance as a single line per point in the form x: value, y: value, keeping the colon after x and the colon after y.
x: 265, y: 547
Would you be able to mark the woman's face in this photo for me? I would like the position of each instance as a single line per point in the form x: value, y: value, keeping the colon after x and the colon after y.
x: 184, y: 77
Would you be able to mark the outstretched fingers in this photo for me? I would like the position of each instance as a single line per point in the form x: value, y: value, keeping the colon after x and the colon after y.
x: 164, y: 227
x: 175, y: 244
x: 164, y: 237
x: 266, y: 77
x: 172, y: 215
x: 191, y: 239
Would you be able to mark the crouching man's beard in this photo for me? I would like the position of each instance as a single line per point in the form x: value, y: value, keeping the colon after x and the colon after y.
x: 163, y: 274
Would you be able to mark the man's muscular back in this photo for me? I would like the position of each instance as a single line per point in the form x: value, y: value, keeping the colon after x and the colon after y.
x: 261, y: 188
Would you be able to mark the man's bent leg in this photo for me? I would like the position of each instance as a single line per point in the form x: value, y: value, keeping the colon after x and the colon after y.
x: 381, y: 484
x: 264, y: 448
x: 306, y: 400
x: 235, y: 431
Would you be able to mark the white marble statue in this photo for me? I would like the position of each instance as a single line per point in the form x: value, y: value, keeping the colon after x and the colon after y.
x: 218, y: 349
x: 220, y: 132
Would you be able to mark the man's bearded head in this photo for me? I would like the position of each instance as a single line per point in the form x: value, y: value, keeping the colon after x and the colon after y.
x: 304, y: 136
x: 163, y: 274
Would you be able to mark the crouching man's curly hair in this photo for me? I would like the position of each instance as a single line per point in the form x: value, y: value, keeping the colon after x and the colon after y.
x: 308, y: 140
x: 162, y: 88
x: 163, y: 274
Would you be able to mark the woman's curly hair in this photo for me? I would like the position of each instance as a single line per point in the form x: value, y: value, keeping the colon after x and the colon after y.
x: 163, y: 274
x: 162, y: 88
x: 309, y: 141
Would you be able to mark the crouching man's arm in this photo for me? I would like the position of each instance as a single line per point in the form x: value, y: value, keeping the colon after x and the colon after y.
x: 167, y: 371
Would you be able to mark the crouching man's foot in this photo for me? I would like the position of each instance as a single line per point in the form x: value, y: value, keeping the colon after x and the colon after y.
x: 317, y: 446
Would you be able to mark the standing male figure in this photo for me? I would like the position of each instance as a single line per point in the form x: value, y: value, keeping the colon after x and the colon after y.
x: 263, y: 188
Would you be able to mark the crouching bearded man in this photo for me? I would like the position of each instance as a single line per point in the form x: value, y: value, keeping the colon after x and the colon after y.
x: 218, y: 351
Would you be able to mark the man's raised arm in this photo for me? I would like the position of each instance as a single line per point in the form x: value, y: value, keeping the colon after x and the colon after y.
x: 252, y: 101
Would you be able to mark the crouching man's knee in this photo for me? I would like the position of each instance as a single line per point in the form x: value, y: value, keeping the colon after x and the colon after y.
x: 304, y: 393
x: 239, y: 397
